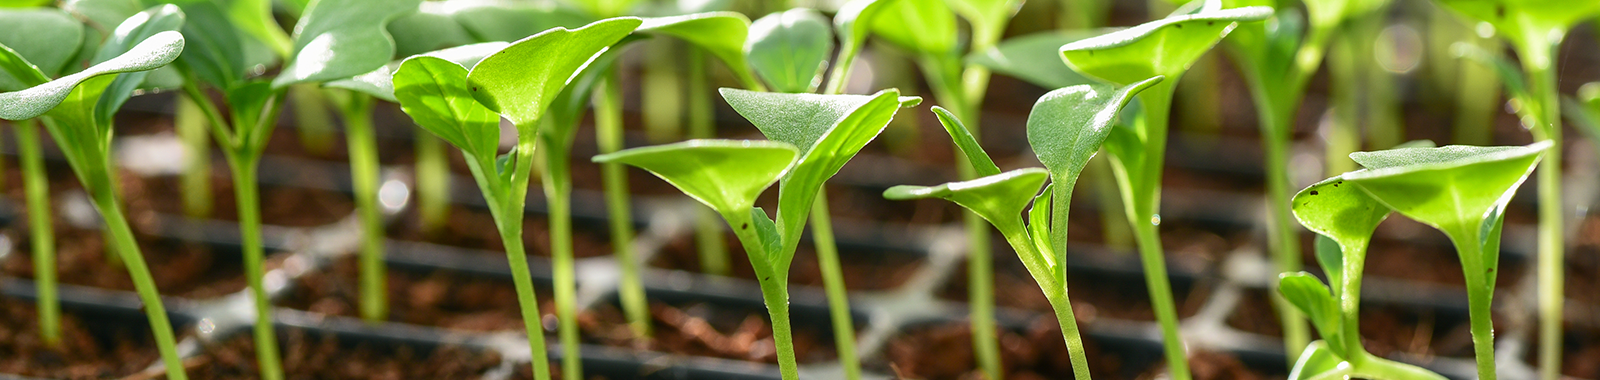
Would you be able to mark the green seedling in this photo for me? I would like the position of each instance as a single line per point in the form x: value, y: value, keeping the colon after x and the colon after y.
x: 55, y: 36
x: 927, y: 28
x: 815, y: 135
x: 1166, y: 48
x: 1277, y: 60
x: 517, y: 82
x: 1066, y: 129
x: 1535, y: 30
x: 78, y: 110
x: 1345, y: 216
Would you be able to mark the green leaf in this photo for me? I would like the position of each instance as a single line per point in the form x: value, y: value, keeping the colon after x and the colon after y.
x: 1524, y: 19
x: 135, y: 30
x: 1039, y: 230
x: 567, y: 110
x: 431, y: 28
x: 986, y: 16
x: 607, y: 8
x: 435, y: 93
x: 521, y: 80
x: 1163, y: 47
x: 1331, y: 257
x: 23, y: 3
x: 248, y: 101
x: 1067, y: 126
x: 997, y: 198
x: 254, y: 17
x: 16, y: 73
x: 799, y: 119
x: 1340, y: 211
x: 157, y: 51
x: 48, y: 38
x: 1312, y: 297
x: 1510, y: 75
x: 1316, y: 361
x: 855, y: 18
x: 213, y: 48
x: 1585, y: 110
x: 379, y: 83
x: 980, y: 161
x: 102, y: 15
x: 1035, y: 58
x: 507, y: 22
x: 720, y: 33
x: 338, y: 39
x: 790, y: 49
x: 726, y: 175
x: 922, y: 26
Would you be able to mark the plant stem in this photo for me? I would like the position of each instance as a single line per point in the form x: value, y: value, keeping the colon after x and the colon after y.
x: 249, y: 204
x: 1283, y: 234
x: 844, y: 331
x: 774, y: 290
x: 41, y: 233
x: 312, y: 119
x: 105, y: 200
x: 1538, y: 53
x: 432, y: 181
x: 1343, y: 137
x: 510, y: 221
x: 1480, y: 296
x: 708, y: 229
x: 660, y: 88
x: 1143, y: 215
x: 558, y: 196
x: 191, y: 125
x: 363, y: 147
x: 608, y: 133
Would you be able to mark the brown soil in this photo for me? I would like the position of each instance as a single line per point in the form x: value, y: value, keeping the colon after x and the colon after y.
x: 280, y: 206
x: 862, y: 270
x: 474, y: 228
x: 108, y: 350
x: 180, y: 269
x: 1094, y: 295
x: 307, y: 356
x: 701, y: 329
x: 1037, y: 352
x: 1385, y: 330
x: 441, y: 298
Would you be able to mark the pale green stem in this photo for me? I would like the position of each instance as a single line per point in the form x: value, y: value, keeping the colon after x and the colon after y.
x: 1344, y: 135
x: 1537, y: 55
x: 608, y: 133
x: 36, y: 185
x: 774, y: 291
x: 190, y: 123
x: 708, y: 229
x: 1283, y: 234
x: 1145, y: 220
x: 1480, y: 296
x: 249, y: 206
x: 432, y: 181
x: 105, y: 200
x: 558, y: 196
x: 844, y: 332
x: 663, y: 100
x: 1060, y: 205
x: 1477, y: 93
x: 313, y: 120
x: 363, y: 147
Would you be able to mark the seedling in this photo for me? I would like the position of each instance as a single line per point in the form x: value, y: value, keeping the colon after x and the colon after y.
x: 815, y: 135
x: 1066, y: 128
x: 27, y: 62
x: 517, y: 82
x: 1277, y: 62
x: 1535, y: 30
x: 79, y: 109
x: 1345, y: 216
x: 1165, y: 48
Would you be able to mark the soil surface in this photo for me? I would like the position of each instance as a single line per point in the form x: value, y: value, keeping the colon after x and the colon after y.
x: 862, y: 268
x: 90, y: 347
x: 189, y: 270
x: 470, y: 227
x: 312, y: 356
x: 1093, y: 295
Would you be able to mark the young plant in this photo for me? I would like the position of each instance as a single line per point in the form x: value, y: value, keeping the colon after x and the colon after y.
x: 1345, y: 217
x: 78, y: 110
x: 1066, y: 128
x: 1462, y: 191
x: 1165, y: 48
x: 517, y: 82
x: 55, y: 40
x: 1535, y: 30
x: 815, y: 135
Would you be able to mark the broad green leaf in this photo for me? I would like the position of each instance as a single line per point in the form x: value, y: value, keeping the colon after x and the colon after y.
x: 986, y: 16
x: 980, y: 161
x: 1035, y: 58
x: 1039, y: 230
x: 1510, y: 75
x: 1340, y: 211
x: 135, y: 30
x: 1317, y: 362
x: 248, y: 100
x: 103, y: 15
x: 1526, y: 19
x: 48, y: 38
x: 997, y: 198
x: 720, y: 33
x: 23, y: 3
x: 430, y: 28
x: 607, y: 8
x: 1163, y: 47
x: 434, y: 92
x: 154, y: 52
x: 790, y: 49
x: 213, y: 48
x: 16, y: 73
x: 726, y: 175
x: 507, y: 22
x: 1331, y: 257
x: 922, y: 26
x: 379, y: 83
x: 1067, y: 126
x: 799, y: 119
x: 567, y: 110
x: 520, y: 81
x: 855, y: 18
x: 254, y: 18
x: 338, y: 39
x: 1312, y: 297
x: 1461, y: 190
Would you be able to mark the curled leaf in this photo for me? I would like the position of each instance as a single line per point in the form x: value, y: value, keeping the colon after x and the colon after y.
x: 152, y: 53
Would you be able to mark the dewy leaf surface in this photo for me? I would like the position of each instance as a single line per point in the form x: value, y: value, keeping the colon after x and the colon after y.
x: 47, y: 38
x: 790, y: 49
x: 521, y: 80
x: 152, y: 53
x: 1163, y: 47
x: 1035, y: 58
x: 1453, y: 188
x: 720, y: 33
x: 135, y: 30
x: 997, y: 198
x: 338, y: 39
x: 726, y: 175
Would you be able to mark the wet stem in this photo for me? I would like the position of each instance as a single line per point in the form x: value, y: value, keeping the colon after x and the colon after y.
x: 608, y: 130
x: 36, y: 185
x: 363, y: 152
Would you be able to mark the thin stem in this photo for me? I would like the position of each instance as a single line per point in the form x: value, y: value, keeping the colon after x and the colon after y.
x: 1155, y: 276
x: 558, y: 196
x: 1069, y: 333
x: 41, y: 233
x: 844, y: 331
x: 432, y: 181
x: 1283, y: 235
x: 190, y: 123
x: 1146, y: 222
x: 312, y: 118
x: 1343, y: 136
x: 249, y: 205
x: 509, y: 219
x: 608, y: 133
x: 105, y: 200
x: 1480, y: 296
x: 363, y: 147
x: 1355, y: 261
x: 661, y: 91
x: 1537, y: 56
x: 708, y: 226
x: 774, y: 291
